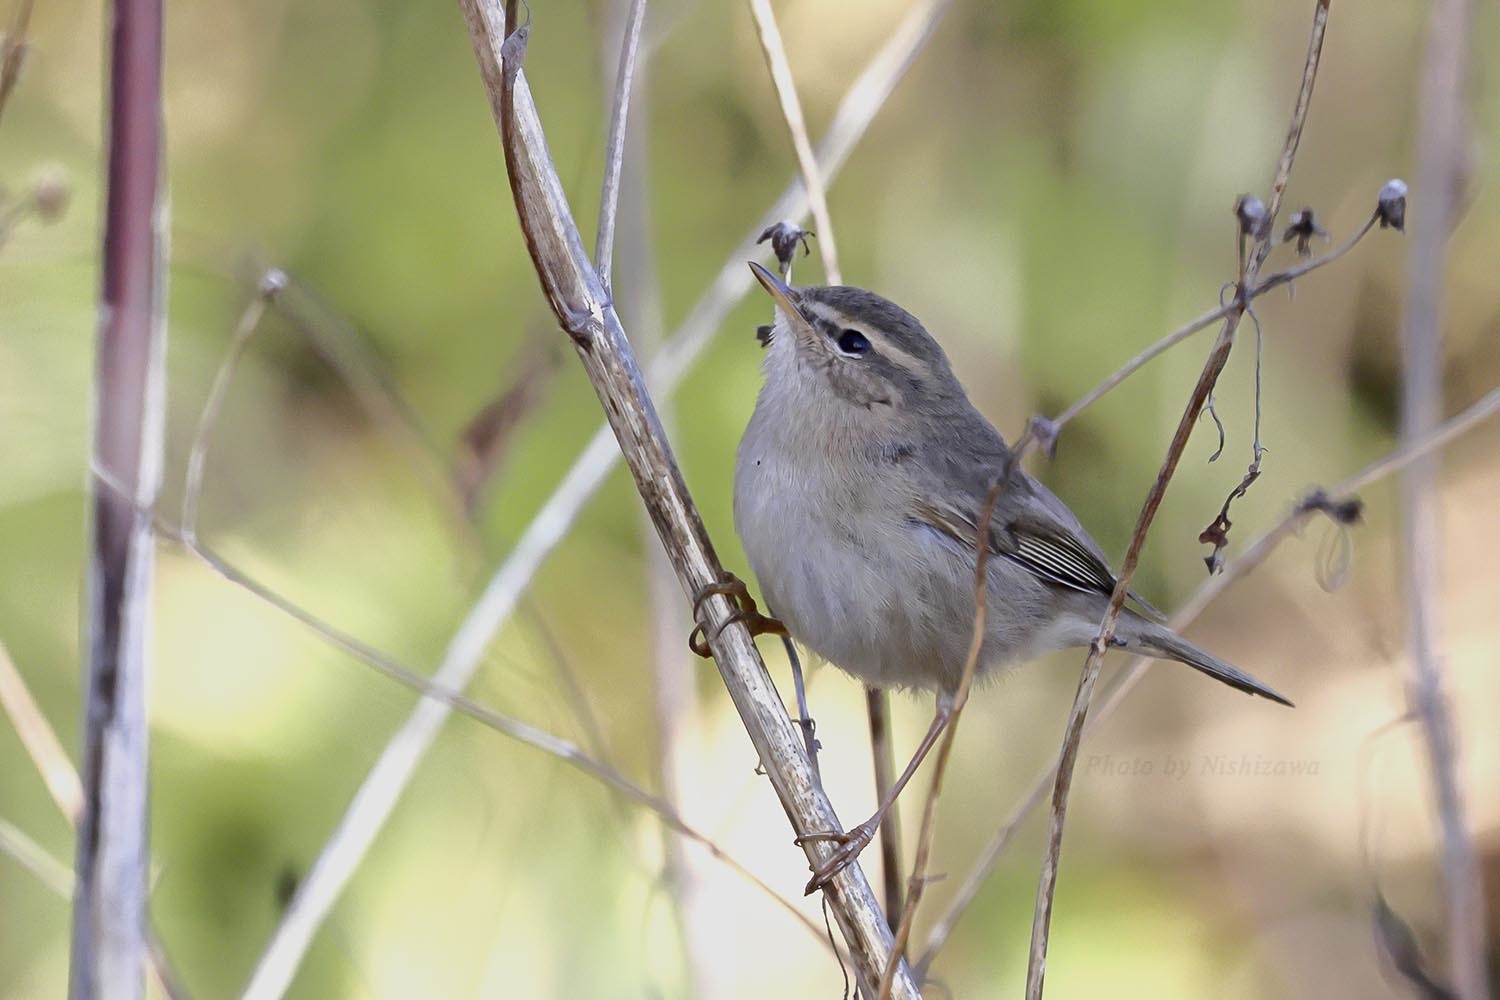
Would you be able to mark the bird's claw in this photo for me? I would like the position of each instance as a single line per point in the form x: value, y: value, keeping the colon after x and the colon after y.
x: 747, y: 612
x: 851, y: 844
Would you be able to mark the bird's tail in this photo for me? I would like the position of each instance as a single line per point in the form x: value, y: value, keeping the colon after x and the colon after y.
x: 1159, y: 641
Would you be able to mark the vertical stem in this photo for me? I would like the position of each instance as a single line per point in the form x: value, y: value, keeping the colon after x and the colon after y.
x: 1440, y: 151
x: 109, y: 914
x: 878, y: 706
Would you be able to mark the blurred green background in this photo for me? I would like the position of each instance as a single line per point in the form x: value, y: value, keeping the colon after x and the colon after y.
x: 1049, y: 189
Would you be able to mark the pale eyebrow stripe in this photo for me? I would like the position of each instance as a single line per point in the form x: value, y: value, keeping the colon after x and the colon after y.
x: 829, y: 316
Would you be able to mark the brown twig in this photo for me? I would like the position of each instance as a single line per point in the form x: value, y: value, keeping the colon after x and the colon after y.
x: 109, y: 912
x: 485, y: 442
x: 882, y: 752
x: 270, y: 284
x: 1041, y: 925
x: 673, y: 679
x: 1051, y: 427
x: 918, y: 882
x: 1256, y: 553
x: 791, y: 111
x: 1440, y: 151
x: 584, y: 310
x: 614, y: 157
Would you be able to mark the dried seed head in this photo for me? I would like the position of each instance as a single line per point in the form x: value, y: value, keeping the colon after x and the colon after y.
x: 1045, y: 432
x: 1303, y: 228
x: 50, y: 194
x: 272, y: 282
x: 785, y: 237
x: 1251, y: 212
x: 1391, y: 208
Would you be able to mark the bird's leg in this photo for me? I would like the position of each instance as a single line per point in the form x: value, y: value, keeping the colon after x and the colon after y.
x: 853, y: 841
x: 747, y: 612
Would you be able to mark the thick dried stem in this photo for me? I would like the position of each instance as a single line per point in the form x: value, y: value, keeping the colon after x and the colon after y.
x: 393, y: 770
x: 1440, y: 152
x: 109, y: 913
x: 583, y: 309
x: 1218, y: 357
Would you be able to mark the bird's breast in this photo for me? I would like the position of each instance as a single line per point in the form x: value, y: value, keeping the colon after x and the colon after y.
x: 839, y: 562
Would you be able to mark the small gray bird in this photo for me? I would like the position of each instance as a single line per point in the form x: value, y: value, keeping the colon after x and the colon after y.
x: 858, y: 487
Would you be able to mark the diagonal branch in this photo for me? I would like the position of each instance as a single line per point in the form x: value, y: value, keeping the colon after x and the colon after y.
x: 1218, y: 357
x: 40, y: 740
x: 583, y: 309
x: 1051, y: 428
x: 1256, y: 553
x: 383, y: 785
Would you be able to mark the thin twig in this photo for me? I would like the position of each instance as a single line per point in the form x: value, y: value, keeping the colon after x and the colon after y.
x: 1208, y: 319
x: 63, y: 784
x: 36, y: 859
x: 1042, y: 920
x: 1441, y: 139
x: 584, y: 310
x: 272, y: 282
x: 1256, y: 553
x: 883, y: 752
x: 791, y: 111
x: 614, y: 156
x: 918, y: 881
x: 673, y: 680
x: 109, y: 911
x: 386, y: 780
x: 40, y: 740
x: 13, y: 51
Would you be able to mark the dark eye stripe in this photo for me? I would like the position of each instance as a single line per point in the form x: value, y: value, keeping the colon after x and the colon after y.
x: 853, y: 343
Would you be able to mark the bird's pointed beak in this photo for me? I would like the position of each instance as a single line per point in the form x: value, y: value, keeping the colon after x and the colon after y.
x: 785, y: 295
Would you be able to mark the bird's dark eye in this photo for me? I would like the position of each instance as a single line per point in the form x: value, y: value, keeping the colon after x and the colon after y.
x: 853, y: 342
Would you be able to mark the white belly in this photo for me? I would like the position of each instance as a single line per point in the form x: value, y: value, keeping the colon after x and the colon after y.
x: 861, y: 588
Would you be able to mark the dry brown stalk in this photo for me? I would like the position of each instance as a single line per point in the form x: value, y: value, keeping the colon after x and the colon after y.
x: 109, y: 913
x: 583, y: 308
x: 1255, y: 554
x: 1218, y: 357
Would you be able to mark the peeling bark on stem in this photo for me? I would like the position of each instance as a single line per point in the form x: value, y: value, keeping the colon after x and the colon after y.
x: 109, y: 911
x: 584, y: 310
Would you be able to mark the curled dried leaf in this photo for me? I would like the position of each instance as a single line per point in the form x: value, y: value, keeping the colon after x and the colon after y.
x: 1217, y: 533
x: 485, y: 441
x: 1398, y: 944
